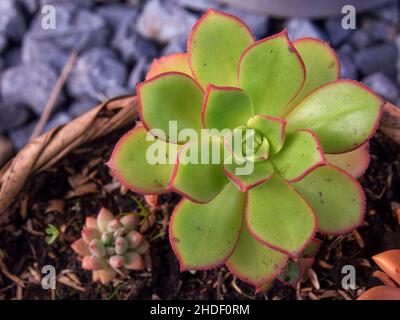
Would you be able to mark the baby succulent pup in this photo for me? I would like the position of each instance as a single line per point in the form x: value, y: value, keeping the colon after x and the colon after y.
x: 302, y: 130
x: 110, y: 245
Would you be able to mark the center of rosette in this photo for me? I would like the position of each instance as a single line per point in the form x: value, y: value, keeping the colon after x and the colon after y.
x: 255, y: 147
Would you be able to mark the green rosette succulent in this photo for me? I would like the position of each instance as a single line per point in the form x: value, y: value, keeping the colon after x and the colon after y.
x: 310, y: 131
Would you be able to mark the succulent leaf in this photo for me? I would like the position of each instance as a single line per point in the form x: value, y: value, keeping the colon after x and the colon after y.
x: 93, y: 263
x: 114, y: 225
x: 262, y: 171
x: 291, y: 274
x: 381, y: 293
x: 143, y: 247
x: 103, y: 218
x: 81, y: 247
x: 253, y: 262
x: 177, y: 62
x: 215, y: 45
x: 134, y: 261
x: 91, y: 222
x: 312, y: 249
x: 117, y: 261
x: 196, y: 229
x: 300, y: 155
x: 272, y: 128
x: 389, y: 262
x: 169, y: 97
x: 106, y: 275
x: 322, y: 66
x: 198, y: 181
x: 226, y: 108
x: 121, y: 245
x: 97, y: 248
x: 279, y: 217
x: 338, y: 199
x: 134, y: 238
x: 354, y: 162
x: 129, y: 221
x: 107, y: 238
x: 272, y: 73
x: 133, y: 168
x: 344, y: 114
x: 88, y: 234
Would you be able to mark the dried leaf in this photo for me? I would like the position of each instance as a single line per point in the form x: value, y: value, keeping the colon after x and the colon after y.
x: 82, y: 190
x: 70, y: 283
x: 314, y: 279
x: 55, y: 205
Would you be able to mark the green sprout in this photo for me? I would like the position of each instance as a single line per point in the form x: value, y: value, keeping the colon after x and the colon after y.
x: 52, y: 233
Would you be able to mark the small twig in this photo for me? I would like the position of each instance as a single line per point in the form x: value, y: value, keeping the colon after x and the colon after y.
x: 54, y: 95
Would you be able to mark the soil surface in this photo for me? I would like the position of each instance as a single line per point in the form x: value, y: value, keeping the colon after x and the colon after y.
x: 81, y: 184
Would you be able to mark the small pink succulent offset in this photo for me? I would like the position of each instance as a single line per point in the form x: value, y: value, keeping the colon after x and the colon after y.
x: 309, y: 144
x: 109, y: 245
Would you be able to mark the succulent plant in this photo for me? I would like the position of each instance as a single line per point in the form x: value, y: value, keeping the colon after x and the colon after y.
x: 109, y: 244
x: 303, y: 130
x: 389, y: 262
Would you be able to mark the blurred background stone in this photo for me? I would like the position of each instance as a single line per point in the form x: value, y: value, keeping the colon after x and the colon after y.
x: 382, y: 85
x: 163, y: 21
x: 29, y: 85
x: 12, y: 21
x: 336, y: 34
x: 96, y: 70
x: 13, y: 116
x: 300, y: 28
x: 380, y: 57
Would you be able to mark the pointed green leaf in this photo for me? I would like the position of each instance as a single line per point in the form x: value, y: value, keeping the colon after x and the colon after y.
x: 279, y: 217
x: 134, y: 164
x: 354, y: 162
x: 170, y: 97
x: 177, y: 62
x: 291, y: 274
x: 322, y: 66
x: 312, y: 249
x: 226, y: 108
x: 344, y: 114
x: 262, y: 153
x: 215, y: 45
x: 253, y: 262
x: 338, y: 199
x: 203, y: 236
x: 249, y: 174
x: 197, y: 175
x: 300, y: 155
x: 272, y: 128
x: 271, y: 72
